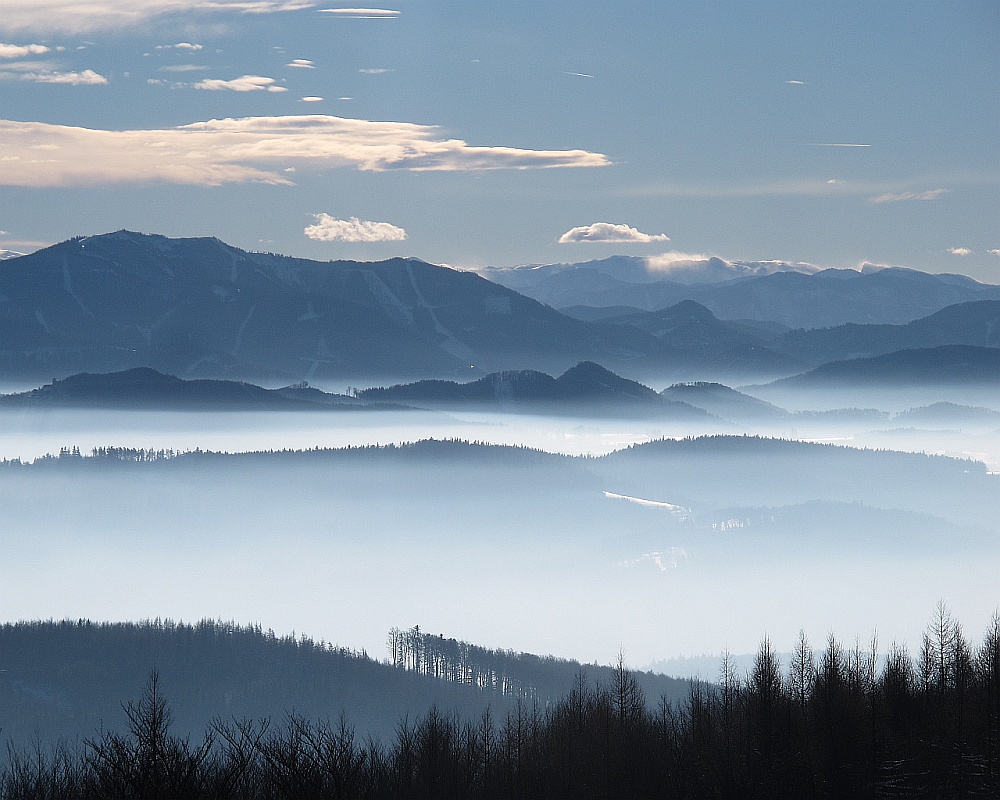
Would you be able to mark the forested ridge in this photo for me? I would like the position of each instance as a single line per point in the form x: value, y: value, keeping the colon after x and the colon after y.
x: 833, y: 725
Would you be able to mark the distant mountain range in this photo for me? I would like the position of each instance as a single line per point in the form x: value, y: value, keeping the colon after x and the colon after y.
x: 198, y: 308
x: 796, y: 295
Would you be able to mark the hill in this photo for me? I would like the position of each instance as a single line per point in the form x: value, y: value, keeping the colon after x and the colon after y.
x: 69, y: 678
x: 584, y: 388
x: 142, y: 387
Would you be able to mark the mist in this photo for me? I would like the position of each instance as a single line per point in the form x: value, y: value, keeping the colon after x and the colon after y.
x: 505, y: 547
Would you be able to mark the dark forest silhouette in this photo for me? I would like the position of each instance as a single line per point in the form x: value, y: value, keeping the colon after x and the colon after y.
x: 834, y: 725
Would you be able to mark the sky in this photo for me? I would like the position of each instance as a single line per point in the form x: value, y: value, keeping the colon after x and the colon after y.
x: 474, y: 134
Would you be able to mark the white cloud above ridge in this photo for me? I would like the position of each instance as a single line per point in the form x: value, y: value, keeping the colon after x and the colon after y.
x: 249, y: 149
x: 674, y: 258
x: 897, y: 197
x: 960, y: 251
x: 331, y: 229
x: 244, y: 83
x: 610, y: 233
x: 22, y: 50
x: 72, y: 16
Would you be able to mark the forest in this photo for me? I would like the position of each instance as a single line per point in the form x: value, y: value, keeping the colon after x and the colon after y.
x: 843, y: 722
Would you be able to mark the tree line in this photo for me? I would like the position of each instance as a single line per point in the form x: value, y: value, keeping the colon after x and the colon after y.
x: 841, y: 723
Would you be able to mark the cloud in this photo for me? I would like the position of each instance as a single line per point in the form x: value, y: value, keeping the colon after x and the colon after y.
x: 244, y: 83
x: 183, y: 68
x: 20, y: 51
x: 930, y: 194
x: 796, y: 83
x: 301, y: 63
x: 995, y: 252
x: 838, y: 144
x: 374, y: 71
x: 180, y: 46
x: 960, y: 251
x: 666, y: 261
x: 250, y: 149
x: 361, y: 13
x: 331, y: 229
x: 73, y: 16
x: 311, y: 99
x: 86, y: 78
x: 611, y: 233
x: 578, y: 74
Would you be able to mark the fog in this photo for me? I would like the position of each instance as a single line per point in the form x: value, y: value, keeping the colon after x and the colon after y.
x: 504, y: 548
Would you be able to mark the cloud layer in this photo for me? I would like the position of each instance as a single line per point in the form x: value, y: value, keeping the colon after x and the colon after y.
x: 611, y: 233
x: 331, y: 229
x: 73, y: 16
x: 248, y: 149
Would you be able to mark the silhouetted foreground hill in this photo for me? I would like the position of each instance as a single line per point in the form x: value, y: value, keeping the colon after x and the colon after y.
x: 69, y: 678
x: 834, y: 725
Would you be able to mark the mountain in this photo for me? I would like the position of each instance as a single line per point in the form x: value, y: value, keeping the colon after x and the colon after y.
x: 584, y: 387
x: 796, y: 295
x: 722, y: 401
x: 951, y: 364
x: 5, y: 254
x: 200, y: 308
x: 142, y: 387
x: 945, y: 413
x: 973, y: 323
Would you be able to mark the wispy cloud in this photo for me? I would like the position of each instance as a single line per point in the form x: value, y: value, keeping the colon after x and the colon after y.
x: 960, y: 251
x: 578, y: 74
x: 361, y: 13
x: 180, y: 46
x: 331, y: 229
x: 73, y: 16
x: 611, y: 233
x: 796, y: 83
x: 250, y: 149
x: 22, y: 50
x: 994, y: 252
x: 86, y: 77
x: 838, y: 144
x: 244, y: 83
x: 311, y: 99
x: 301, y: 63
x: 377, y: 71
x: 897, y: 197
x: 183, y: 68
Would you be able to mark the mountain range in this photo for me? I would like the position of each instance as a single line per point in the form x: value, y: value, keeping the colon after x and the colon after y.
x: 796, y: 295
x: 198, y: 308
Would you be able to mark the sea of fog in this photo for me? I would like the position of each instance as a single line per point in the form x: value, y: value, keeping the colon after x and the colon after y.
x: 577, y: 577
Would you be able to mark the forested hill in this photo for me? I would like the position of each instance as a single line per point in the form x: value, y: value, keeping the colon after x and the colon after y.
x: 70, y: 678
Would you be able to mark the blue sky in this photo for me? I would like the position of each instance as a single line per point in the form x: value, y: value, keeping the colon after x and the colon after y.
x: 480, y: 134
